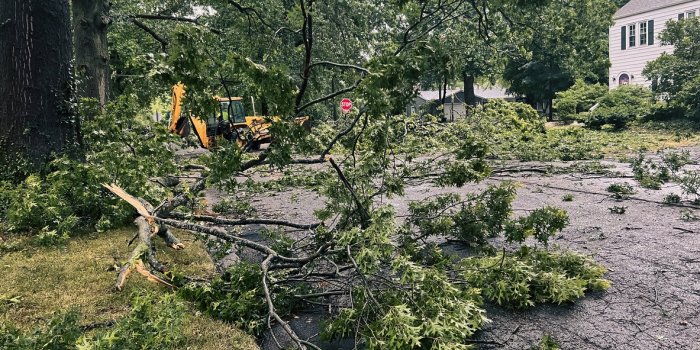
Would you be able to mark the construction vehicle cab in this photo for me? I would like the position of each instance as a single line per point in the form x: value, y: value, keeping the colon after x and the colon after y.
x: 228, y: 122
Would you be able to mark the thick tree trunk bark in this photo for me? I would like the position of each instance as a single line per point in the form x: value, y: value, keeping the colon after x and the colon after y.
x: 469, y: 95
x: 35, y: 83
x: 90, y: 21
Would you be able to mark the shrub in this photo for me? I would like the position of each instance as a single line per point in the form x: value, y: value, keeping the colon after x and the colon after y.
x: 620, y: 107
x: 578, y: 99
x: 499, y: 116
x: 672, y: 198
x: 120, y: 148
x: 621, y: 190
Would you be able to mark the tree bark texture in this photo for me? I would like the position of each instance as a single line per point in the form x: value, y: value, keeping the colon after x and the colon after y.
x: 90, y: 21
x: 35, y: 83
x: 469, y: 95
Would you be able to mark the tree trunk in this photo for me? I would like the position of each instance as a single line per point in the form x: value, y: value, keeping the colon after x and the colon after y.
x: 469, y: 95
x: 35, y: 84
x: 90, y: 21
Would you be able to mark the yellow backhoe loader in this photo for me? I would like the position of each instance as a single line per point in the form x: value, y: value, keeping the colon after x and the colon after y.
x: 229, y: 122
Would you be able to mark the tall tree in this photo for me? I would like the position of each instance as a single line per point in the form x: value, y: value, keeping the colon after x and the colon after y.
x: 35, y: 81
x: 90, y: 21
x: 565, y: 41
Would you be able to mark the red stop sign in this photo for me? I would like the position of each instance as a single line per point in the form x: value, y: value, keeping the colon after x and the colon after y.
x: 346, y: 105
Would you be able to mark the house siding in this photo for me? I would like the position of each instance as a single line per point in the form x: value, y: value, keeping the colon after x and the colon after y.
x: 633, y: 60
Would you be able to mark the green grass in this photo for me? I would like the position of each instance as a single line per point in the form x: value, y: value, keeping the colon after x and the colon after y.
x: 39, y: 281
x: 651, y: 136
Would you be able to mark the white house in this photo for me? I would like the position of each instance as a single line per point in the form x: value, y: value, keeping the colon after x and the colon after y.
x: 634, y: 37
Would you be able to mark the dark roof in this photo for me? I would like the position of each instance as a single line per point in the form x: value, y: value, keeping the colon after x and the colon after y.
x: 635, y: 7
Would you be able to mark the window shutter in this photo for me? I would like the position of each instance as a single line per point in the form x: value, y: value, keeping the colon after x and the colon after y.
x: 650, y: 32
x: 623, y: 36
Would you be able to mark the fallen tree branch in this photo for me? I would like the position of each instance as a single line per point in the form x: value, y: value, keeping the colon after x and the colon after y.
x: 140, y: 252
x: 364, y: 214
x: 243, y: 222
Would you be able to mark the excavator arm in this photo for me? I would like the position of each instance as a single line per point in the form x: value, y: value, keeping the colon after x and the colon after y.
x: 180, y: 124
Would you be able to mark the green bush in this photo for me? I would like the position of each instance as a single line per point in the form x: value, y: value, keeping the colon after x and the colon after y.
x: 500, y: 116
x: 578, y: 99
x: 621, y: 191
x: 621, y: 106
x: 119, y: 148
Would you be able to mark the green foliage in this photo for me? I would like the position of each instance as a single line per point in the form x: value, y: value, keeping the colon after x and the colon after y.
x: 578, y: 99
x: 60, y: 333
x: 425, y: 311
x: 516, y: 131
x: 568, y: 197
x: 672, y: 198
x: 237, y: 297
x: 484, y: 216
x: 652, y: 174
x: 620, y: 107
x: 548, y: 59
x: 153, y: 322
x: 675, y: 76
x: 533, y: 276
x: 238, y: 206
x: 541, y: 224
x: 690, y: 184
x: 621, y: 190
x: 547, y: 343
x: 120, y: 148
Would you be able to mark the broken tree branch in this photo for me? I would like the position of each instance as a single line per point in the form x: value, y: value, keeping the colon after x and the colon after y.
x: 243, y: 222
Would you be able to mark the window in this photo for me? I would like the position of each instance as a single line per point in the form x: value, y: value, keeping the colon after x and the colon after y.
x: 624, y: 79
x: 642, y: 33
x: 632, y: 35
x: 690, y: 14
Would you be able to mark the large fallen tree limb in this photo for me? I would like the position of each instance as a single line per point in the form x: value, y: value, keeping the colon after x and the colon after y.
x: 242, y: 222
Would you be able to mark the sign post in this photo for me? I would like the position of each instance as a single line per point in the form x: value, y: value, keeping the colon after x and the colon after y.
x: 346, y: 105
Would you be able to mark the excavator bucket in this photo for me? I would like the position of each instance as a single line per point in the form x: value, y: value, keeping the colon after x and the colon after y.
x: 200, y: 129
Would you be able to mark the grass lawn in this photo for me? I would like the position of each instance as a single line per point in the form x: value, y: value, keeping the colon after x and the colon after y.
x: 40, y: 281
